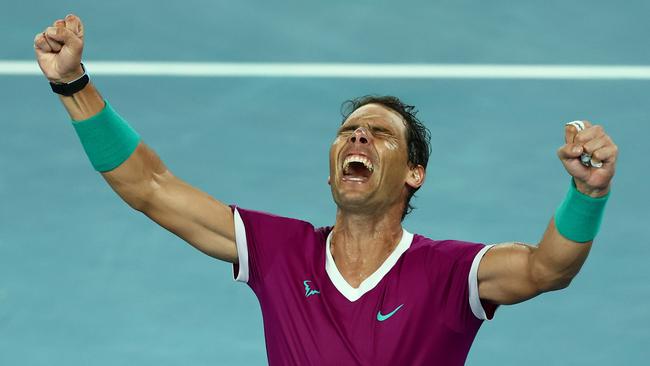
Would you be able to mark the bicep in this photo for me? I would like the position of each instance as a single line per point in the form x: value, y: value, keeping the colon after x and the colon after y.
x: 194, y: 216
x: 506, y: 274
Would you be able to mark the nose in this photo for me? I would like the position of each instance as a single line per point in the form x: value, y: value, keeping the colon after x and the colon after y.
x: 360, y: 135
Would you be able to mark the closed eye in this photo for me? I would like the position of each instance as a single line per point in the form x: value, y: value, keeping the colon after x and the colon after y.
x: 380, y: 131
x: 375, y: 130
x: 347, y: 130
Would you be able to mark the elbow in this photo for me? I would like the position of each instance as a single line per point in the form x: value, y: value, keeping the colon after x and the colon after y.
x: 557, y: 284
x: 139, y: 196
x: 152, y: 193
x: 137, y: 202
x: 147, y: 194
x: 139, y: 179
x: 548, y: 280
x: 145, y: 199
x: 138, y: 205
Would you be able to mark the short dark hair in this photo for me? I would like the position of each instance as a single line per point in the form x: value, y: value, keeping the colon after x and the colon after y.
x: 418, y: 137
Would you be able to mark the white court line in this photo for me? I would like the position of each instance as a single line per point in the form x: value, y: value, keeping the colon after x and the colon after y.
x: 346, y: 70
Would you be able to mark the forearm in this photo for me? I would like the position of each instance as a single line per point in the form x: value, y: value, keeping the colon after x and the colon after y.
x: 567, y: 242
x: 557, y: 260
x: 133, y: 178
x: 83, y: 104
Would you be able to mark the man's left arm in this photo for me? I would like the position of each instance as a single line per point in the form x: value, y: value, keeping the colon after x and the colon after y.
x: 514, y: 272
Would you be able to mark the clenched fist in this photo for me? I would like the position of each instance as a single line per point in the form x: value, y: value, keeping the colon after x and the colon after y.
x: 58, y: 49
x: 593, y: 141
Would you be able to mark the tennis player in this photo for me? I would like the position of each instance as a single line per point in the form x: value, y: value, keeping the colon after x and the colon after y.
x: 365, y: 291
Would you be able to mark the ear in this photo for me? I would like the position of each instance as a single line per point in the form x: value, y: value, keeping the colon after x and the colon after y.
x: 415, y: 177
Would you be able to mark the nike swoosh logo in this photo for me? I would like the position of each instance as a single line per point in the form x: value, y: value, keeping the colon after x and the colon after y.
x: 382, y: 317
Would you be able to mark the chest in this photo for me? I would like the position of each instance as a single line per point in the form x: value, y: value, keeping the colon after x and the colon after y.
x: 386, y: 323
x: 404, y: 313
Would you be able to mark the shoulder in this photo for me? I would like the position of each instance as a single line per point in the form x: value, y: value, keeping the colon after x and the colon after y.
x: 255, y: 215
x: 268, y: 224
x: 441, y: 252
x: 265, y: 218
x: 446, y: 247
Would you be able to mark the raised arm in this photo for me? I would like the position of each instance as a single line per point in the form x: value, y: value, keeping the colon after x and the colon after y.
x: 142, y: 180
x: 513, y: 272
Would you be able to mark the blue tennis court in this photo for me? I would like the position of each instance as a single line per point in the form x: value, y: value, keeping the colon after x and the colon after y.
x: 85, y: 280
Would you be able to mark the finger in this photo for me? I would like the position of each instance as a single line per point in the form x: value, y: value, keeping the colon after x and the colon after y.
x: 573, y: 165
x: 571, y: 129
x: 59, y: 23
x: 588, y: 134
x: 606, y: 154
x: 61, y: 35
x: 54, y: 45
x: 74, y: 24
x: 41, y: 44
x: 597, y: 143
x: 569, y: 151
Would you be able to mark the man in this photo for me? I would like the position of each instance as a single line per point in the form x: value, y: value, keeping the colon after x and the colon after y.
x: 365, y: 291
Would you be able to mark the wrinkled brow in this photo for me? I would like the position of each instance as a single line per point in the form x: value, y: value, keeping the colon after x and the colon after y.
x: 374, y: 129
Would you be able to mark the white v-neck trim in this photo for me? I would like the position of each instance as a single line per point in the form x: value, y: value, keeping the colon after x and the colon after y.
x: 351, y: 293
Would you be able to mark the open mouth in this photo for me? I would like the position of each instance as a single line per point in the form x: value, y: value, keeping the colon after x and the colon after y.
x: 357, y: 168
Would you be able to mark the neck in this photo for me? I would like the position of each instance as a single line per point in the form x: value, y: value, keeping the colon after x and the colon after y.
x: 361, y: 242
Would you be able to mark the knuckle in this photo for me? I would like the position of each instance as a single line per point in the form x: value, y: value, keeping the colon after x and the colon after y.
x: 599, y: 154
x: 563, y: 151
x: 590, y: 133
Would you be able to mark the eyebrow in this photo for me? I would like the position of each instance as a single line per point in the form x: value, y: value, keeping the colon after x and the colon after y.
x: 354, y: 126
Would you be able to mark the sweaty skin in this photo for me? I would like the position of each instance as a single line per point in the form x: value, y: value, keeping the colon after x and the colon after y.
x: 368, y: 219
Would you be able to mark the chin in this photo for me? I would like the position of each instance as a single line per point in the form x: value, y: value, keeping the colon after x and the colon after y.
x: 352, y: 200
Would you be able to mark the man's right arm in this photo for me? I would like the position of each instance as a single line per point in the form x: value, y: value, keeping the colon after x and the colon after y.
x: 142, y: 180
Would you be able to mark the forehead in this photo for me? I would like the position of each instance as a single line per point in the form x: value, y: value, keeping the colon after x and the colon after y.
x: 376, y: 114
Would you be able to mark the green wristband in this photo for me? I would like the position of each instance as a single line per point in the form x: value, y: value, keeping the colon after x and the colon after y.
x: 579, y: 216
x: 107, y: 139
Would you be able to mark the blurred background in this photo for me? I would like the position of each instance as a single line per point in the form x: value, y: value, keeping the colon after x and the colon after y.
x: 84, y: 280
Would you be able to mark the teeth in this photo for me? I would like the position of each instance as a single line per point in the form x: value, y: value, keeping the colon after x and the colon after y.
x: 357, y: 159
